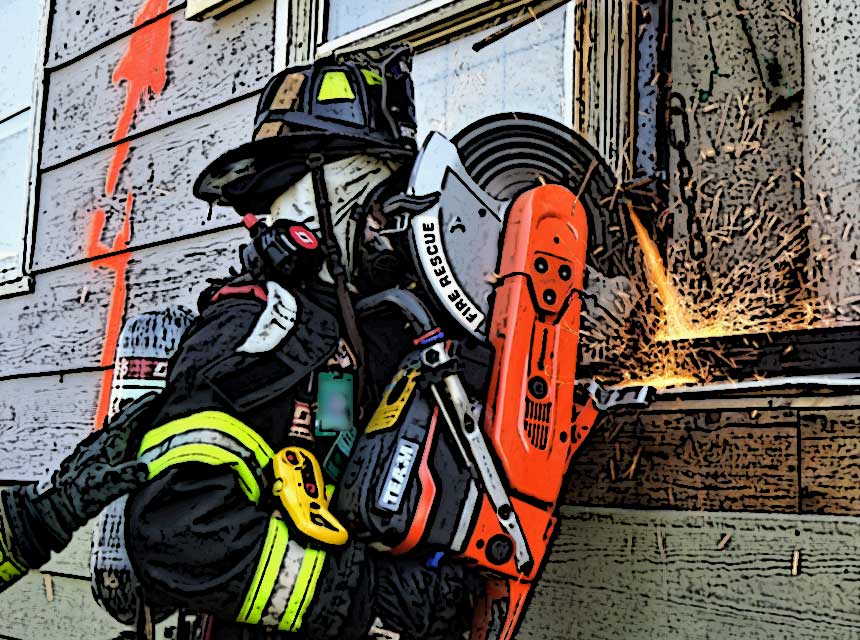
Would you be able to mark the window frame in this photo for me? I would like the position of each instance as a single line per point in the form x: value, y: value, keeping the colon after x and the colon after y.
x: 301, y: 37
x: 21, y: 281
x: 203, y: 9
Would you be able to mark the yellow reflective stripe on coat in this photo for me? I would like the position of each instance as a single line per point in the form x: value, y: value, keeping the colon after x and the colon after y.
x: 266, y: 574
x: 208, y: 454
x: 10, y: 571
x: 214, y: 421
x: 303, y: 592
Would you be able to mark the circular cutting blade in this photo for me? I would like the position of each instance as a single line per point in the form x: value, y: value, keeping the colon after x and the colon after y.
x: 478, y: 174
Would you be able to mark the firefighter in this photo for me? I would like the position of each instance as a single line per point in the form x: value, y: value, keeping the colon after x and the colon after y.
x: 331, y: 141
x: 36, y: 521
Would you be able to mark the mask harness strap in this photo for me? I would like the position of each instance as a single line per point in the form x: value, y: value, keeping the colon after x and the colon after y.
x: 336, y: 269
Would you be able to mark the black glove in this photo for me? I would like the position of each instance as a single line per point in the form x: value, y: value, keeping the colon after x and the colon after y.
x: 102, y: 468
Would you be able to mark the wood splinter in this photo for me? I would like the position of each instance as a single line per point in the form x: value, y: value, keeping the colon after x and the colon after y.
x: 724, y: 541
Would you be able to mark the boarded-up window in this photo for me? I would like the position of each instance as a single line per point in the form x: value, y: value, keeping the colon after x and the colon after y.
x: 20, y: 52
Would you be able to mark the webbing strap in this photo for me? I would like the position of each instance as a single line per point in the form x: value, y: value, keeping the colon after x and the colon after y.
x: 266, y: 574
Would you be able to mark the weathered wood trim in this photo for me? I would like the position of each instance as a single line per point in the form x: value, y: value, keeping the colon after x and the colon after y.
x: 21, y: 282
x: 61, y: 325
x: 830, y: 461
x: 711, y: 460
x: 160, y: 171
x: 305, y: 30
x: 427, y: 25
x: 82, y: 26
x: 204, y: 9
x: 208, y: 64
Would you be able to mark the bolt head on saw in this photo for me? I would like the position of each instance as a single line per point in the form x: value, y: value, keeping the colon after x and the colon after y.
x: 478, y: 174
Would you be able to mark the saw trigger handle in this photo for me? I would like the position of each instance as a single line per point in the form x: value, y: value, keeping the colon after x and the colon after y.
x: 299, y: 484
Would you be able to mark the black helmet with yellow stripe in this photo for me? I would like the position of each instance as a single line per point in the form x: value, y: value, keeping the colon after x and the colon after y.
x: 333, y: 108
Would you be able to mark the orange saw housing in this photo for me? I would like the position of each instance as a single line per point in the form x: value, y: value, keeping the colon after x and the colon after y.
x: 530, y: 419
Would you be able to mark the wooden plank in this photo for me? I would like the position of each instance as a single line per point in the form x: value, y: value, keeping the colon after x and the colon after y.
x: 80, y: 26
x: 711, y: 460
x: 160, y: 172
x: 60, y: 327
x: 208, y: 62
x: 608, y: 577
x: 41, y: 420
x: 830, y: 461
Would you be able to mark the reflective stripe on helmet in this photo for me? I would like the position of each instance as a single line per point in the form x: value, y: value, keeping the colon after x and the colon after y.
x: 371, y: 77
x: 335, y: 86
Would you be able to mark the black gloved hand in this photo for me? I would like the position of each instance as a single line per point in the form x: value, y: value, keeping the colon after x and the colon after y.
x: 102, y: 468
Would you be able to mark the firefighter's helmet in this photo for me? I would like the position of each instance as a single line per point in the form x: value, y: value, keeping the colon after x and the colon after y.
x: 334, y: 108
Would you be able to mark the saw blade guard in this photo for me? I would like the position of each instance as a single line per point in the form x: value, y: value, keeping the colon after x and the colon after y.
x: 478, y: 174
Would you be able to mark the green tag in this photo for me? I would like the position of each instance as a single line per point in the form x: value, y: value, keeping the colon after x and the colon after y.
x: 338, y: 455
x: 334, y: 403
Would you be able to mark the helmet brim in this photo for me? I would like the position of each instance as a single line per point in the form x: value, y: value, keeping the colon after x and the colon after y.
x: 255, y: 169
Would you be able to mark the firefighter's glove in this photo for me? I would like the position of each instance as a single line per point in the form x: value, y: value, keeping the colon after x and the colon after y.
x: 102, y: 468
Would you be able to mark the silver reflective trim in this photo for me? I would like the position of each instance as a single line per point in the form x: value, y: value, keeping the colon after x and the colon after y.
x: 284, y: 585
x: 208, y: 436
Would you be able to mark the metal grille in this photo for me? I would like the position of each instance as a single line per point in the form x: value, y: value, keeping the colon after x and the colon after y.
x: 537, y: 422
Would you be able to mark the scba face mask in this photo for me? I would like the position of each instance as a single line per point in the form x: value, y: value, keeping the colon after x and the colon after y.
x: 349, y: 182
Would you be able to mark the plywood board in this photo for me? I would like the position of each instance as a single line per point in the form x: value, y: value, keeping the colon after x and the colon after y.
x: 618, y: 574
x: 711, y: 460
x: 830, y: 461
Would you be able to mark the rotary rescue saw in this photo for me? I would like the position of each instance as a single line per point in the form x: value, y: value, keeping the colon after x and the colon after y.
x: 455, y: 462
